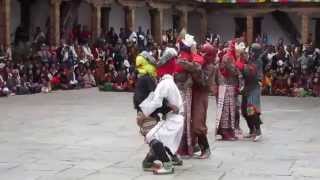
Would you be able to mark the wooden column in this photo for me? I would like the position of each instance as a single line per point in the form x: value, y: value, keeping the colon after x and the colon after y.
x: 54, y: 22
x: 249, y: 31
x: 105, y: 17
x: 183, y: 23
x: 129, y: 12
x: 25, y: 10
x: 156, y: 24
x: 305, y: 28
x: 96, y: 21
x: 204, y: 25
x: 5, y: 28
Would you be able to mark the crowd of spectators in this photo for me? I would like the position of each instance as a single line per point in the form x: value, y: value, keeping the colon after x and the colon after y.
x: 79, y: 62
x: 289, y: 70
x: 108, y: 62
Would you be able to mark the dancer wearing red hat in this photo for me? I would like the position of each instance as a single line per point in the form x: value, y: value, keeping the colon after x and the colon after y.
x: 186, y: 65
x: 203, y: 80
x: 228, y: 84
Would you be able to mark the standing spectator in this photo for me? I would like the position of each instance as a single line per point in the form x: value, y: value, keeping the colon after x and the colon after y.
x: 141, y: 39
x: 85, y: 35
x: 149, y: 39
x: 112, y: 37
x: 39, y: 37
x: 20, y: 36
x: 123, y: 36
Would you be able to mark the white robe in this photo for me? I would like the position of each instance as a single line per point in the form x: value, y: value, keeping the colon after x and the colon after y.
x: 168, y: 131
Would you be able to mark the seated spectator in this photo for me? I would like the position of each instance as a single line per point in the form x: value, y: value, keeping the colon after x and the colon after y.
x: 45, y: 80
x: 87, y: 55
x: 13, y: 81
x: 88, y: 79
x: 55, y: 81
x: 44, y: 54
x: 24, y: 87
x: 267, y: 84
x: 280, y: 86
x: 316, y: 83
x: 120, y: 81
x: 131, y: 82
x: 85, y: 35
x: 4, y: 90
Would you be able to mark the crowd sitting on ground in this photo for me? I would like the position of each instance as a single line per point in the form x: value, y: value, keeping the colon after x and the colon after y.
x: 79, y: 62
x: 108, y: 62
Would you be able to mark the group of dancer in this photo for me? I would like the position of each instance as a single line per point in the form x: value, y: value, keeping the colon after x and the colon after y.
x: 171, y: 99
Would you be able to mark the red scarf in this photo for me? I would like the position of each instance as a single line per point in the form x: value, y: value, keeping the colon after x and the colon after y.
x: 168, y: 68
x: 186, y: 56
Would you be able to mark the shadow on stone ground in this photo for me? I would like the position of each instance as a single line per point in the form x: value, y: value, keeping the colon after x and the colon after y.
x: 90, y: 135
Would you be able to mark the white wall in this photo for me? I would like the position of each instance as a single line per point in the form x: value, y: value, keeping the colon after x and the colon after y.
x: 142, y: 18
x: 39, y: 15
x: 15, y: 16
x: 84, y: 14
x: 116, y: 19
x: 222, y: 24
x: 272, y: 28
x: 313, y: 25
x: 167, y: 19
x: 194, y: 25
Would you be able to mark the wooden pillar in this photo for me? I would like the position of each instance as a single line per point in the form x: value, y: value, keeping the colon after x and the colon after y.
x: 96, y: 21
x: 317, y: 35
x: 305, y: 28
x: 204, y: 25
x: 105, y: 18
x: 5, y: 29
x: 25, y: 15
x: 54, y: 22
x: 249, y: 29
x: 156, y: 24
x: 129, y: 13
x: 183, y: 20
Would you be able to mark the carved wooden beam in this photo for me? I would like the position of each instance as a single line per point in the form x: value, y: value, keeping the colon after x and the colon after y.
x: 131, y: 3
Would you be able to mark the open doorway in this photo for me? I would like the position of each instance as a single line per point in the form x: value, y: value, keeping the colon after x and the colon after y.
x: 317, y: 34
x: 240, y: 26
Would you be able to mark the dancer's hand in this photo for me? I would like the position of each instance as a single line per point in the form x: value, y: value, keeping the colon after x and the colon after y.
x: 174, y: 108
x: 140, y: 118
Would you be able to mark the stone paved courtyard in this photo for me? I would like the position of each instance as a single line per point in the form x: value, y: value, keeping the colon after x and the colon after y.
x: 89, y: 135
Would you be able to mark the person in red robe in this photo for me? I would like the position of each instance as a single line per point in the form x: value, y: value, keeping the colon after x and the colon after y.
x: 228, y: 84
x: 203, y: 80
x: 185, y: 66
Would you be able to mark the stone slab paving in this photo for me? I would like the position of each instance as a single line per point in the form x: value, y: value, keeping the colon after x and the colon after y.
x: 90, y: 135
